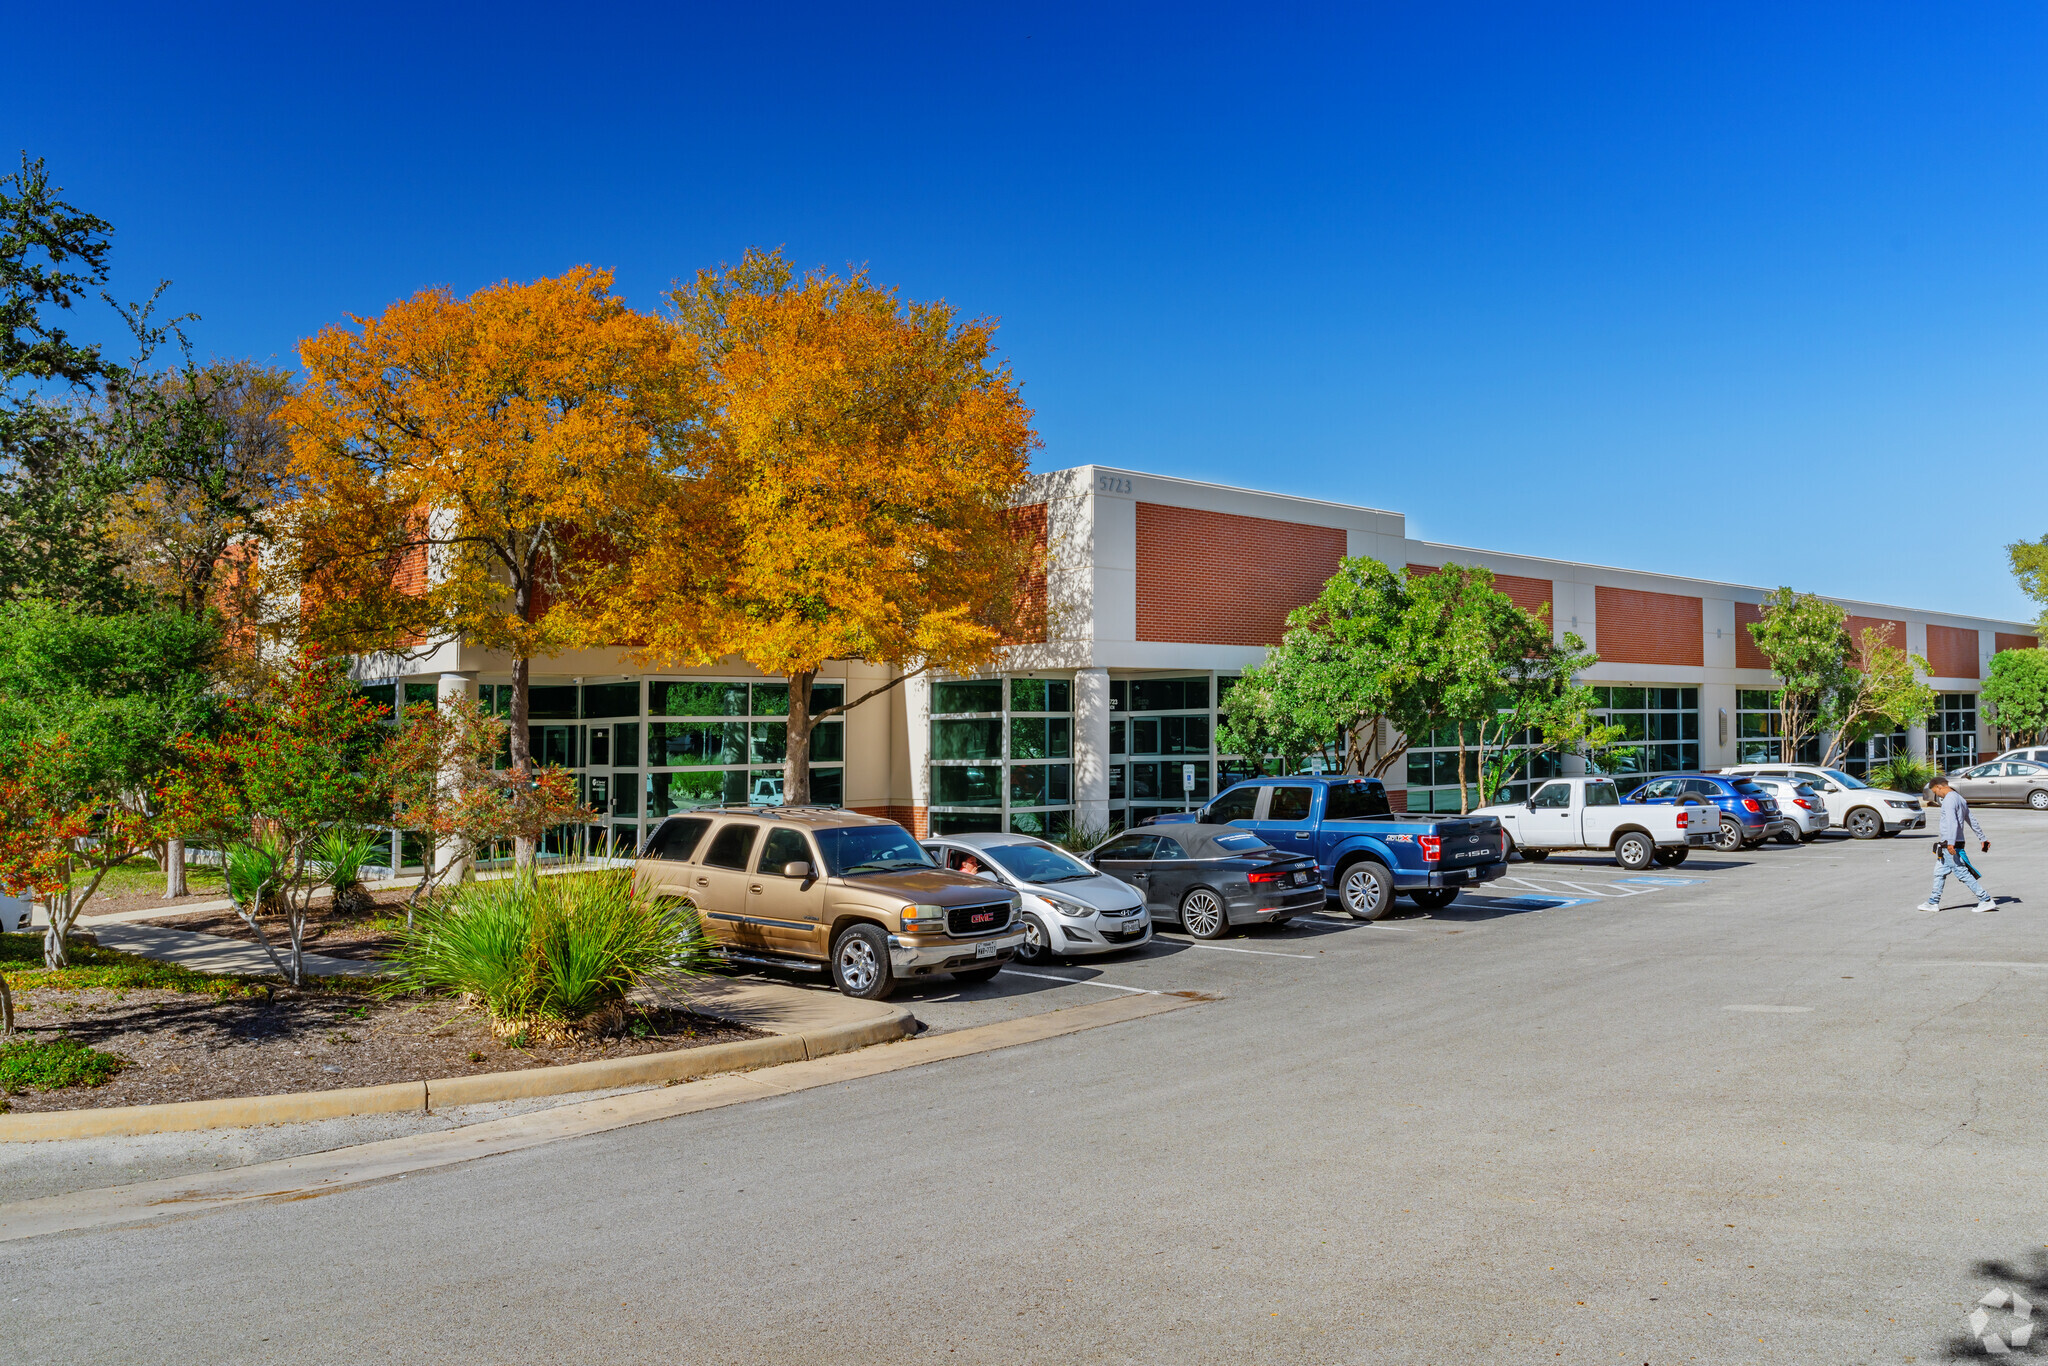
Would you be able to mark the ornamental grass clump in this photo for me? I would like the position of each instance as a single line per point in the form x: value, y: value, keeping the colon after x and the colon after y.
x: 550, y: 957
x: 1903, y: 774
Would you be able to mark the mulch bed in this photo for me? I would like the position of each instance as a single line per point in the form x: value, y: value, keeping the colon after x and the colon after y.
x: 197, y: 1046
x: 365, y: 935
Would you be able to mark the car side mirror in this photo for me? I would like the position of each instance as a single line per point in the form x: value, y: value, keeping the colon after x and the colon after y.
x: 796, y: 868
x: 1530, y: 803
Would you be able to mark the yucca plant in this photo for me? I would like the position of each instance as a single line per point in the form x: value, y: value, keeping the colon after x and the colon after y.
x: 1079, y: 839
x: 258, y: 871
x: 1903, y: 773
x: 338, y: 854
x: 551, y: 956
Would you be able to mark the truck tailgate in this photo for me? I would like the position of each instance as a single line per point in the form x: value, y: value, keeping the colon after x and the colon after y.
x: 1468, y: 840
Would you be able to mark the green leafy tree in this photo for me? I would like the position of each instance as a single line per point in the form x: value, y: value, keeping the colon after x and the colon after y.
x: 1805, y: 639
x: 2017, y: 693
x: 2030, y: 566
x: 274, y: 780
x: 1330, y: 687
x: 1888, y: 692
x: 1547, y: 703
x: 93, y: 715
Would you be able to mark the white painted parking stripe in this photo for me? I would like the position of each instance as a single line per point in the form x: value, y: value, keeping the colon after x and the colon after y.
x: 1079, y: 982
x: 1263, y: 953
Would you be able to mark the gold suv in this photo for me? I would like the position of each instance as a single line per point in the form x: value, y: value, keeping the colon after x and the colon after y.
x: 818, y: 888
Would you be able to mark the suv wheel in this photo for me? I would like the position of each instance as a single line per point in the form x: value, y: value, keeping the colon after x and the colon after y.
x: 860, y: 963
x: 1865, y: 824
x: 1365, y: 889
x: 1433, y: 898
x: 1731, y: 835
x: 1202, y: 914
x: 1634, y: 851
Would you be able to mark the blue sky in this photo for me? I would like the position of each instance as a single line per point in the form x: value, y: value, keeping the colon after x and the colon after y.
x: 1726, y: 291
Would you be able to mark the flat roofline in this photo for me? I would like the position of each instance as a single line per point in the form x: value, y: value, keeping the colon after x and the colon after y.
x: 1228, y: 488
x: 2028, y: 627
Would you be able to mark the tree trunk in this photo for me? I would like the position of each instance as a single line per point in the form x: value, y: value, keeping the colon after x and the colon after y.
x: 796, y: 761
x: 1464, y: 784
x: 6, y: 1008
x: 522, y: 741
x: 56, y: 953
x: 174, y: 868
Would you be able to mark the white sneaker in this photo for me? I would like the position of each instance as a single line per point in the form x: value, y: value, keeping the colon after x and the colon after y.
x: 1928, y: 906
x: 1985, y: 905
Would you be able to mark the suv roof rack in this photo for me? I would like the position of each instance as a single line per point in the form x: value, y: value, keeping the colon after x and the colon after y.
x: 757, y: 809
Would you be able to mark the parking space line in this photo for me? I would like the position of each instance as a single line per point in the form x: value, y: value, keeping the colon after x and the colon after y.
x: 1079, y: 982
x: 1263, y: 953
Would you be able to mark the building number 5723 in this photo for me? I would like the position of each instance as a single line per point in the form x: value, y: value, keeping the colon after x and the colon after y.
x: 1109, y: 483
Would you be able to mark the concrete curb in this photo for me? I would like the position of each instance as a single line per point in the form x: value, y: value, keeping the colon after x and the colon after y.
x: 681, y: 1064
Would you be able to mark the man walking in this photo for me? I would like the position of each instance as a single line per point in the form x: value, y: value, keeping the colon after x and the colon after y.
x: 1948, y: 848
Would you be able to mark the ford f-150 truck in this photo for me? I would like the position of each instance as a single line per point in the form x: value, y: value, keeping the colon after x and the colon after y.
x: 1587, y: 813
x: 1367, y: 851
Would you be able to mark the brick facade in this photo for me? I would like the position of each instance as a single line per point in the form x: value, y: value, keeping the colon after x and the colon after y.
x: 915, y: 819
x: 1213, y: 578
x: 1649, y: 628
x: 2008, y: 641
x: 1952, y: 651
x: 1531, y: 595
x: 1748, y: 655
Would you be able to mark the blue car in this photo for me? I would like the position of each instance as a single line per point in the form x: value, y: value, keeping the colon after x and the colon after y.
x: 1749, y: 814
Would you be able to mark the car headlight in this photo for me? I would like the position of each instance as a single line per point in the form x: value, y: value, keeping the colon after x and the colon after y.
x: 1065, y: 905
x: 917, y: 918
x: 1903, y: 806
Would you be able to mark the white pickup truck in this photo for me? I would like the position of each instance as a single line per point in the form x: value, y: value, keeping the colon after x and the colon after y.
x: 1586, y: 813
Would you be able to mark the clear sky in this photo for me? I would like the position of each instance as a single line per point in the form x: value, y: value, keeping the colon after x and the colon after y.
x: 1755, y: 293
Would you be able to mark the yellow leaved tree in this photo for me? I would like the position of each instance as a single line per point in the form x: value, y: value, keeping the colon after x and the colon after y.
x: 469, y: 463
x: 858, y: 500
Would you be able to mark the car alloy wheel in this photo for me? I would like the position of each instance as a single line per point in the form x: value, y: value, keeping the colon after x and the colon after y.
x: 1366, y: 890
x: 1037, y: 946
x: 2038, y: 799
x: 1865, y: 824
x: 1202, y: 915
x: 1731, y: 835
x: 860, y: 963
x: 1634, y: 851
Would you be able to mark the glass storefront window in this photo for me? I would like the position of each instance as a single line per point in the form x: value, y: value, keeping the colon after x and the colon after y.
x: 1952, y: 731
x: 989, y: 736
x: 971, y: 695
x: 1041, y: 694
x: 606, y: 700
x: 1041, y: 737
x: 977, y: 738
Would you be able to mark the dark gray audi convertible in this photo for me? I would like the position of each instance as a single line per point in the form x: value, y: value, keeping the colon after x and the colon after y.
x: 1212, y: 877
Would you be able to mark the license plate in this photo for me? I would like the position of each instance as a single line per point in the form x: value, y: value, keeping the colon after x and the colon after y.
x: 1301, y: 879
x: 987, y: 950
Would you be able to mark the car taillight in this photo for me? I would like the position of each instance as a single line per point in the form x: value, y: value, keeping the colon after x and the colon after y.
x: 1265, y: 877
x: 1432, y: 847
x: 1749, y: 804
x: 1803, y: 804
x: 1684, y: 819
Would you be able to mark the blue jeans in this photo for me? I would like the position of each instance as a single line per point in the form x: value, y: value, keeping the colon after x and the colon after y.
x: 1951, y: 864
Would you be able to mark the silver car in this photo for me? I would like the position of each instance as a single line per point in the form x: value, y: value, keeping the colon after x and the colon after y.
x: 1802, y: 812
x: 1069, y: 909
x: 2015, y: 781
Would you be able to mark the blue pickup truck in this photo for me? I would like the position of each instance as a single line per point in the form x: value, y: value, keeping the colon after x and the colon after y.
x: 1367, y: 851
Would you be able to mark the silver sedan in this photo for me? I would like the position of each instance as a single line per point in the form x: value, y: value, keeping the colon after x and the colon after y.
x: 1070, y: 909
x: 2014, y: 781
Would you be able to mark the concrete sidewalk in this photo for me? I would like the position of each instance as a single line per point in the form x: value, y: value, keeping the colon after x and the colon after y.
x: 212, y: 953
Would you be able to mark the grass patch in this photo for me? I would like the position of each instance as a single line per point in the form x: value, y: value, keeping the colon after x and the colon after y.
x: 21, y: 958
x: 37, y: 1065
x: 142, y: 875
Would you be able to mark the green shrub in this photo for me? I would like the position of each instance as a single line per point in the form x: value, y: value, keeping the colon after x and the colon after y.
x: 1903, y: 774
x: 339, y: 855
x: 39, y: 1065
x: 554, y: 949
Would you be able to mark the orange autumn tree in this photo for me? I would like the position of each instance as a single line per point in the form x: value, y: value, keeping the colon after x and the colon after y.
x: 468, y: 461
x: 865, y: 457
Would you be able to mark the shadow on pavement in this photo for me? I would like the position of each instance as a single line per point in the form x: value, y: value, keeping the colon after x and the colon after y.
x: 1996, y: 1274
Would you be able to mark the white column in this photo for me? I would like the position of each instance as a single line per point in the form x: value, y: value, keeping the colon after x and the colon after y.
x: 1916, y: 743
x: 917, y: 725
x: 1091, y: 748
x: 450, y: 688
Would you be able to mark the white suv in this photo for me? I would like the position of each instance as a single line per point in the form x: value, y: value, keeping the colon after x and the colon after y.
x: 1865, y: 812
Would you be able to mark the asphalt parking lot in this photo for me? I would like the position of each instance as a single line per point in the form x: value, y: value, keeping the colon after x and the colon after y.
x: 1755, y: 1109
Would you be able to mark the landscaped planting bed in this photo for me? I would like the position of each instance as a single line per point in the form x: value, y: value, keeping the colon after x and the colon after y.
x: 181, y: 1035
x: 366, y: 934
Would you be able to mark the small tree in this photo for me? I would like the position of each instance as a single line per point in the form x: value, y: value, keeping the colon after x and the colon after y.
x: 1331, y: 686
x: 447, y: 788
x: 1805, y: 639
x: 1887, y: 690
x: 2029, y: 561
x: 1545, y: 700
x: 275, y: 779
x: 2017, y: 693
x: 470, y: 462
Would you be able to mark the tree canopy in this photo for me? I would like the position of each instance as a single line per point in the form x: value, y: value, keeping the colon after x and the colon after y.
x: 2017, y: 693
